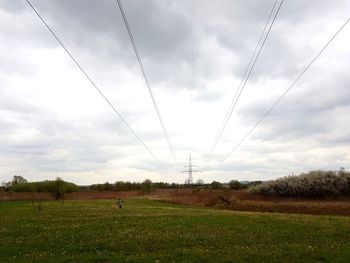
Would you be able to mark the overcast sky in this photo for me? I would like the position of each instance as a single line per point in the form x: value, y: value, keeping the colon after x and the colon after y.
x: 54, y: 123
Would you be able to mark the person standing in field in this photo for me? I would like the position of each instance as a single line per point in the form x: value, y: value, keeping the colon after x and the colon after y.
x: 120, y: 203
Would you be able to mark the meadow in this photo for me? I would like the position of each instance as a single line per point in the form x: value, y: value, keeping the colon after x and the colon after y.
x: 153, y: 231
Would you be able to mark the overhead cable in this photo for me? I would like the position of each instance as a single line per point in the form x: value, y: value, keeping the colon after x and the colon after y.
x: 146, y: 79
x: 283, y: 95
x: 247, y: 73
x: 92, y: 82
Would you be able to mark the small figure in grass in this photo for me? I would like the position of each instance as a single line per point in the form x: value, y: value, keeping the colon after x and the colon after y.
x: 120, y: 203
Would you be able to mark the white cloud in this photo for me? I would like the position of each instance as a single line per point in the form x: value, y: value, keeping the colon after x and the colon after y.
x: 53, y: 122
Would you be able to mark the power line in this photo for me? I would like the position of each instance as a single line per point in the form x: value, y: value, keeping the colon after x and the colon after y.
x: 91, y: 81
x: 283, y: 95
x: 245, y: 77
x: 240, y: 85
x: 146, y: 79
x: 244, y: 80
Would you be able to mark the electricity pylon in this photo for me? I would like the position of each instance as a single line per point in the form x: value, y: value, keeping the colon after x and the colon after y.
x: 190, y: 170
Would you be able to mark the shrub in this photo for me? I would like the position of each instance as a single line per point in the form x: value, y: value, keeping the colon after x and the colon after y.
x: 235, y: 185
x: 216, y: 185
x: 311, y: 184
x: 147, y: 185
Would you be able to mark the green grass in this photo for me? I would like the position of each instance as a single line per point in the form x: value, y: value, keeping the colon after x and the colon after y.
x: 150, y: 231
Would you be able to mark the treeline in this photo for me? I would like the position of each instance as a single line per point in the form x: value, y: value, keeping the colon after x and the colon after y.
x: 45, y: 186
x: 312, y: 184
x: 234, y: 185
x: 57, y: 187
x: 146, y: 185
x: 149, y: 185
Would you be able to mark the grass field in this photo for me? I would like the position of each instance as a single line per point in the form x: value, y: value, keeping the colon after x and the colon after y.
x: 150, y: 231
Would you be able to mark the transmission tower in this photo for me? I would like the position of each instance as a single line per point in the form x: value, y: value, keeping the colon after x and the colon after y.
x: 190, y: 170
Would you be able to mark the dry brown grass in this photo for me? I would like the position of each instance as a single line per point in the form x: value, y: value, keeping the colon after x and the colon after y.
x: 245, y: 201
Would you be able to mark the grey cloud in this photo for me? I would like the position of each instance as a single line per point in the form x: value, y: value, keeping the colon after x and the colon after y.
x: 226, y: 33
x: 95, y: 32
x: 314, y: 106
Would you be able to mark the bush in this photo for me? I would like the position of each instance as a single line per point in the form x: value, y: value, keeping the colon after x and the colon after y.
x: 147, y: 186
x: 216, y: 185
x: 311, y: 184
x: 235, y: 185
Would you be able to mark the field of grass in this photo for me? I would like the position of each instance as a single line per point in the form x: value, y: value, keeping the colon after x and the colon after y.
x: 150, y: 231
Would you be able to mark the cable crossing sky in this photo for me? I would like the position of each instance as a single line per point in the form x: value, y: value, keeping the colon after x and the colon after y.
x: 245, y: 78
x: 283, y: 95
x: 238, y: 92
x: 146, y: 79
x: 92, y: 82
